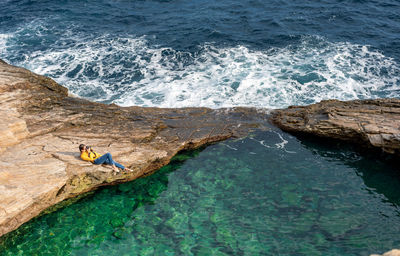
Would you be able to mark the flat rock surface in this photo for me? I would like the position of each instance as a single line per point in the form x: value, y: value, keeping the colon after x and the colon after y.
x: 41, y: 127
x: 370, y: 123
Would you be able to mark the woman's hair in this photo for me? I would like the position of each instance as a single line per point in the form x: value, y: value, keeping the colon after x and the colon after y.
x: 81, y: 147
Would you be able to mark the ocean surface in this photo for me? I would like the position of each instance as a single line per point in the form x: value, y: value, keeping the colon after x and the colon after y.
x: 266, y: 194
x: 208, y: 53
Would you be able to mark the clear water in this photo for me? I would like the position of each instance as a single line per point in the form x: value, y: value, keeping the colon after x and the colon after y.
x: 175, y: 53
x: 267, y: 194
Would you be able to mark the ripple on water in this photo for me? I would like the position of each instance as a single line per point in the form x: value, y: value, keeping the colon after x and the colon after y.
x: 316, y: 201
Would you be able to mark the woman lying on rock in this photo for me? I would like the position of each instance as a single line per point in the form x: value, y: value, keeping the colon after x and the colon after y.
x: 88, y: 154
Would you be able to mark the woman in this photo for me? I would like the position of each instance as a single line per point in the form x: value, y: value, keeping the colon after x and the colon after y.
x: 88, y: 154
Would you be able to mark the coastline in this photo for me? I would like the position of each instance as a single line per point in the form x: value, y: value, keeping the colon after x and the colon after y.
x: 43, y: 125
x: 371, y: 124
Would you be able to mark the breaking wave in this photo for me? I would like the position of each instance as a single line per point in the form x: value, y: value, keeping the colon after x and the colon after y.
x: 130, y: 71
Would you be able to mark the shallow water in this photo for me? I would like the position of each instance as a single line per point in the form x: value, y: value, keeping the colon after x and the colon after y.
x: 267, y: 194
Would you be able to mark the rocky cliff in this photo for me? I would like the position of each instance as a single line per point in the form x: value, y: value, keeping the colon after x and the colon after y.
x: 373, y: 124
x: 41, y: 127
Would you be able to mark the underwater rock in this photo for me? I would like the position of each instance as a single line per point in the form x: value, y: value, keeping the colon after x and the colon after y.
x: 41, y: 127
x: 369, y: 123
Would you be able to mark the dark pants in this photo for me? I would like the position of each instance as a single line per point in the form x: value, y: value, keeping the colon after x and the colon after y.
x: 107, y: 159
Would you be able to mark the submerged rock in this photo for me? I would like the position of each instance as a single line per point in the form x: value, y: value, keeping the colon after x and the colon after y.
x: 370, y: 123
x: 41, y: 127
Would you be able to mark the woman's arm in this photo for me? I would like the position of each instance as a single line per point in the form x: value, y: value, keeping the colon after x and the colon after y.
x: 88, y: 156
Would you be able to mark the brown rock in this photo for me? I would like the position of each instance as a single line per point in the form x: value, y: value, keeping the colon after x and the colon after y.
x: 394, y: 252
x: 41, y: 128
x: 370, y: 123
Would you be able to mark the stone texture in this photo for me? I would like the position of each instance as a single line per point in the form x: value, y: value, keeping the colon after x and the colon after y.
x: 370, y: 123
x: 41, y: 127
x: 394, y: 252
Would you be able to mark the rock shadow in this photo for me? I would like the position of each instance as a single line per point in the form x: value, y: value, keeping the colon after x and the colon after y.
x: 379, y: 171
x: 74, y: 154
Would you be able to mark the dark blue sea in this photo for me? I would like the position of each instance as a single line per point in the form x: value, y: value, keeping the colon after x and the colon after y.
x: 208, y: 53
x: 266, y: 194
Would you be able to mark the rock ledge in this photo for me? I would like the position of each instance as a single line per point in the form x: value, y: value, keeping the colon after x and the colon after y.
x: 41, y: 128
x: 370, y: 123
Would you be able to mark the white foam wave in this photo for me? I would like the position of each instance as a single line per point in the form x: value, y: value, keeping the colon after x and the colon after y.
x: 3, y: 44
x: 129, y: 71
x: 281, y: 145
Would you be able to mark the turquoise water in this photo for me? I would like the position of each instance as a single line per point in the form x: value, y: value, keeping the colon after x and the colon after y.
x: 267, y: 194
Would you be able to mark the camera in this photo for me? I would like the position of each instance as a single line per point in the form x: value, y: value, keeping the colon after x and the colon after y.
x: 89, y: 148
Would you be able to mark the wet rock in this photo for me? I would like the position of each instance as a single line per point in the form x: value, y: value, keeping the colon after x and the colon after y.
x: 41, y: 127
x: 370, y: 123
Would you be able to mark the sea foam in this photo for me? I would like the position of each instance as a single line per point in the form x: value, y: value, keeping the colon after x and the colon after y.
x: 130, y: 71
x: 3, y: 43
